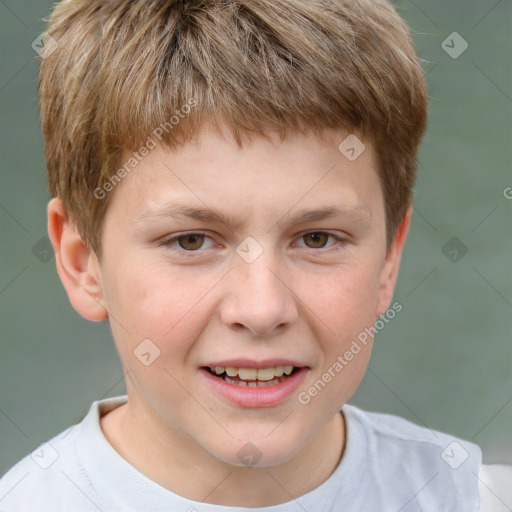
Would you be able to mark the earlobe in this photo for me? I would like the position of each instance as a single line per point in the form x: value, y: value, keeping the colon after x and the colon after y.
x: 77, y: 265
x: 389, y: 272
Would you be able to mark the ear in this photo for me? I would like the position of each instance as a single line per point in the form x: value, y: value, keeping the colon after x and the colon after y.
x: 77, y: 265
x: 389, y: 272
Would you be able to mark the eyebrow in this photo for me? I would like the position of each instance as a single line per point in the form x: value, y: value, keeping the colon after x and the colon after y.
x: 356, y: 212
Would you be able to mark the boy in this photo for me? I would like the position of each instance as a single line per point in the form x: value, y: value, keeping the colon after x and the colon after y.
x: 282, y: 135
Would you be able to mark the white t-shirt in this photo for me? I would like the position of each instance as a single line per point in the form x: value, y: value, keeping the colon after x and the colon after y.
x: 389, y: 464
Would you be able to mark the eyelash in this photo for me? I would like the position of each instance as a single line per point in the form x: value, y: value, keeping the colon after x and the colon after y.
x: 169, y: 242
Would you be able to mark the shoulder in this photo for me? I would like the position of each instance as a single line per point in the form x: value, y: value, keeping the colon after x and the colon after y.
x: 400, y: 431
x: 495, y: 487
x: 51, y: 474
x: 405, y: 457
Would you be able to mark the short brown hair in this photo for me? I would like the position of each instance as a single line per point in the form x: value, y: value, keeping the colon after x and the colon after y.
x: 124, y: 68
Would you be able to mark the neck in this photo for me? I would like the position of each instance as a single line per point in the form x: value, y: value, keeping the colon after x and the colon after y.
x: 181, y: 466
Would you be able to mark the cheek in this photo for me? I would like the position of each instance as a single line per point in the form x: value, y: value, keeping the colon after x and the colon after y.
x: 349, y: 296
x: 347, y: 309
x: 146, y: 296
x: 167, y: 307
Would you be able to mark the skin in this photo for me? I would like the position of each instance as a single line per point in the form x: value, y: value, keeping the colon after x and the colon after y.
x: 303, y: 298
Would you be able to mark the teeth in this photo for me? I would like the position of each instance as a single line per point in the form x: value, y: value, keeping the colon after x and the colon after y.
x: 254, y: 374
x: 247, y: 373
x: 232, y: 372
x: 253, y: 383
x: 266, y: 373
x: 278, y: 371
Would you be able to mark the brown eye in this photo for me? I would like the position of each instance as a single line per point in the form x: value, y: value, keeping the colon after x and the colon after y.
x: 191, y: 242
x: 316, y: 240
x: 188, y: 243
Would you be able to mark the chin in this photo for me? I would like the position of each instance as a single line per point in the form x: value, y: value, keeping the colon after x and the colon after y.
x: 258, y: 451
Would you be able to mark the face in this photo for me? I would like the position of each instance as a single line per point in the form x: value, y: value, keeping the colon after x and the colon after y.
x: 250, y: 262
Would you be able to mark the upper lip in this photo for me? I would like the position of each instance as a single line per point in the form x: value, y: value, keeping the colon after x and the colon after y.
x: 251, y: 363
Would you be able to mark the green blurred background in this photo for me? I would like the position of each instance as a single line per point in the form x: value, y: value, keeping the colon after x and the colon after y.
x: 445, y: 361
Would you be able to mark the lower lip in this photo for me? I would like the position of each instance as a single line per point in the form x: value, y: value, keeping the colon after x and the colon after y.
x: 245, y: 396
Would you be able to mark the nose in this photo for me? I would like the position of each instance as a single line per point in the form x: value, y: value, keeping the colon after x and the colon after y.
x: 259, y: 298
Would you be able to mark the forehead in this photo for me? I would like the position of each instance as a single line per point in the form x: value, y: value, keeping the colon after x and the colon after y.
x: 260, y: 178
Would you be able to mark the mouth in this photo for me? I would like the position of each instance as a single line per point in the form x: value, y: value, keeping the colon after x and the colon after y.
x: 253, y: 377
x: 253, y: 384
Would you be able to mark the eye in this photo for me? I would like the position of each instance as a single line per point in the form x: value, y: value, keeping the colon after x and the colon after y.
x: 318, y: 239
x: 193, y: 242
x: 189, y: 242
